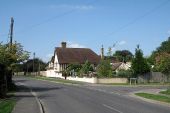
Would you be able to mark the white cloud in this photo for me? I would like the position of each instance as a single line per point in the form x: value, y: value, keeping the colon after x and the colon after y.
x: 74, y: 45
x: 76, y: 7
x: 122, y: 42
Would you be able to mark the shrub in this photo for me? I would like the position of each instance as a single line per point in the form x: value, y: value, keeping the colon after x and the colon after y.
x: 124, y: 73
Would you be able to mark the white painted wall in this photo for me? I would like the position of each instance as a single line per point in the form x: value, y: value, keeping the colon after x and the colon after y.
x: 56, y: 64
x: 83, y: 79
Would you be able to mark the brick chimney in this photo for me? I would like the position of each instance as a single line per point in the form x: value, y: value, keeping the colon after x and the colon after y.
x: 63, y: 44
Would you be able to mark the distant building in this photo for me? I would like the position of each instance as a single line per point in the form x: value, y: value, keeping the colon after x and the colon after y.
x: 121, y: 66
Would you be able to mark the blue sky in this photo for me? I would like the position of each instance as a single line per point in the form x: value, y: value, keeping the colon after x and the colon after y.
x: 41, y: 25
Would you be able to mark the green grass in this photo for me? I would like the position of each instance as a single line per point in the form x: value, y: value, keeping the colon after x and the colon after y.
x: 154, y: 97
x: 56, y: 80
x: 7, y: 105
x: 167, y: 92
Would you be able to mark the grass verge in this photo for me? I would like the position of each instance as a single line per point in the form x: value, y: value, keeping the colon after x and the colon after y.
x: 154, y: 97
x: 7, y: 105
x: 167, y: 92
x: 56, y: 80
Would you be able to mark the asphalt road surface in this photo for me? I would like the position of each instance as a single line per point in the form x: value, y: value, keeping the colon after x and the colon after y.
x: 60, y: 98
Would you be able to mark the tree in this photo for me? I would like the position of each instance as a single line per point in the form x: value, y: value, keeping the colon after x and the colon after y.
x: 162, y: 52
x: 39, y: 65
x: 10, y: 56
x: 73, y: 69
x: 109, y: 53
x: 165, y: 46
x: 165, y: 66
x: 104, y: 69
x: 139, y: 64
x: 86, y: 68
x: 123, y: 56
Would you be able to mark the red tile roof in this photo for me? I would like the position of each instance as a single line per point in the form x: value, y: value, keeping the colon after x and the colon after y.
x: 76, y: 55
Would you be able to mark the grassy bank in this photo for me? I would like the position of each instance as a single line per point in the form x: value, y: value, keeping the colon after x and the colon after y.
x: 57, y: 80
x: 7, y: 105
x: 154, y: 97
x: 167, y: 92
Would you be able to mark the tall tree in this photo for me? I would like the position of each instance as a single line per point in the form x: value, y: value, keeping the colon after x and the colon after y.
x: 162, y: 52
x: 139, y: 63
x: 86, y: 68
x: 123, y: 56
x: 165, y: 66
x: 9, y: 57
x: 104, y: 69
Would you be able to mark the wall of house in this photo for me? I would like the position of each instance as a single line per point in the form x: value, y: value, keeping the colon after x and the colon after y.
x: 56, y: 64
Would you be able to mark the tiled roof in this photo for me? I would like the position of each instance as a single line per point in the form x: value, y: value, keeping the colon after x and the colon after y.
x: 76, y: 55
x: 52, y: 59
x: 116, y: 65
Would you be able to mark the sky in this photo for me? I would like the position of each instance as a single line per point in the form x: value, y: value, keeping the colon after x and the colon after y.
x: 41, y: 25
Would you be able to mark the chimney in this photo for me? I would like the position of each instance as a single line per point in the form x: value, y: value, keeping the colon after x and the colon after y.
x: 63, y: 44
x: 102, y: 52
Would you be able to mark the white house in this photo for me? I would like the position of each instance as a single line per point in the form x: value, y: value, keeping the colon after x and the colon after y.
x: 64, y: 56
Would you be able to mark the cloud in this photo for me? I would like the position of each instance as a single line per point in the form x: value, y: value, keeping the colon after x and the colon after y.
x: 74, y: 45
x: 122, y: 42
x: 71, y: 7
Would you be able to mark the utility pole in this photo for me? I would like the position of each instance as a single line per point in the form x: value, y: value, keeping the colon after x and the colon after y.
x: 39, y: 67
x: 11, y: 31
x: 33, y: 61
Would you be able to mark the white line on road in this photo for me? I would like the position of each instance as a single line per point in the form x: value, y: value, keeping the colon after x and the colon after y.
x: 112, y: 108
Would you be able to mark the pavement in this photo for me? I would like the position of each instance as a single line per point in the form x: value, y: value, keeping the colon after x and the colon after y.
x: 38, y: 96
x: 26, y: 101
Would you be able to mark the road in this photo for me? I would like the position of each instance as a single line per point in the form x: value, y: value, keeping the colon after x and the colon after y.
x: 60, y: 98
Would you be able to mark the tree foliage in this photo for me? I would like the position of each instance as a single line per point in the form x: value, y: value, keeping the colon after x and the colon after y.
x: 104, y: 69
x: 10, y: 56
x: 38, y: 64
x: 160, y: 54
x: 86, y: 67
x: 165, y: 66
x: 139, y: 63
x: 123, y: 56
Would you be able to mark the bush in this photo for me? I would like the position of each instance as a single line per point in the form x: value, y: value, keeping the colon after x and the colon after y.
x: 124, y: 73
x: 104, y: 69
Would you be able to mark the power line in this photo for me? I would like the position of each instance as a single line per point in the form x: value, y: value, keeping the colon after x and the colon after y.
x: 50, y: 19
x: 140, y: 17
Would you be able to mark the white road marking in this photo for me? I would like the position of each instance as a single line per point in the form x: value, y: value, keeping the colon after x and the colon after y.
x: 112, y: 108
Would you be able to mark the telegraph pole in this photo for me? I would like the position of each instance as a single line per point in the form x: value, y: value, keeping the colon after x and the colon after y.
x: 11, y: 31
x: 39, y: 67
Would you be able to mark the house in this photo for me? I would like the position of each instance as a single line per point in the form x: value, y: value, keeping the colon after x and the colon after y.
x: 120, y: 66
x: 64, y: 56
